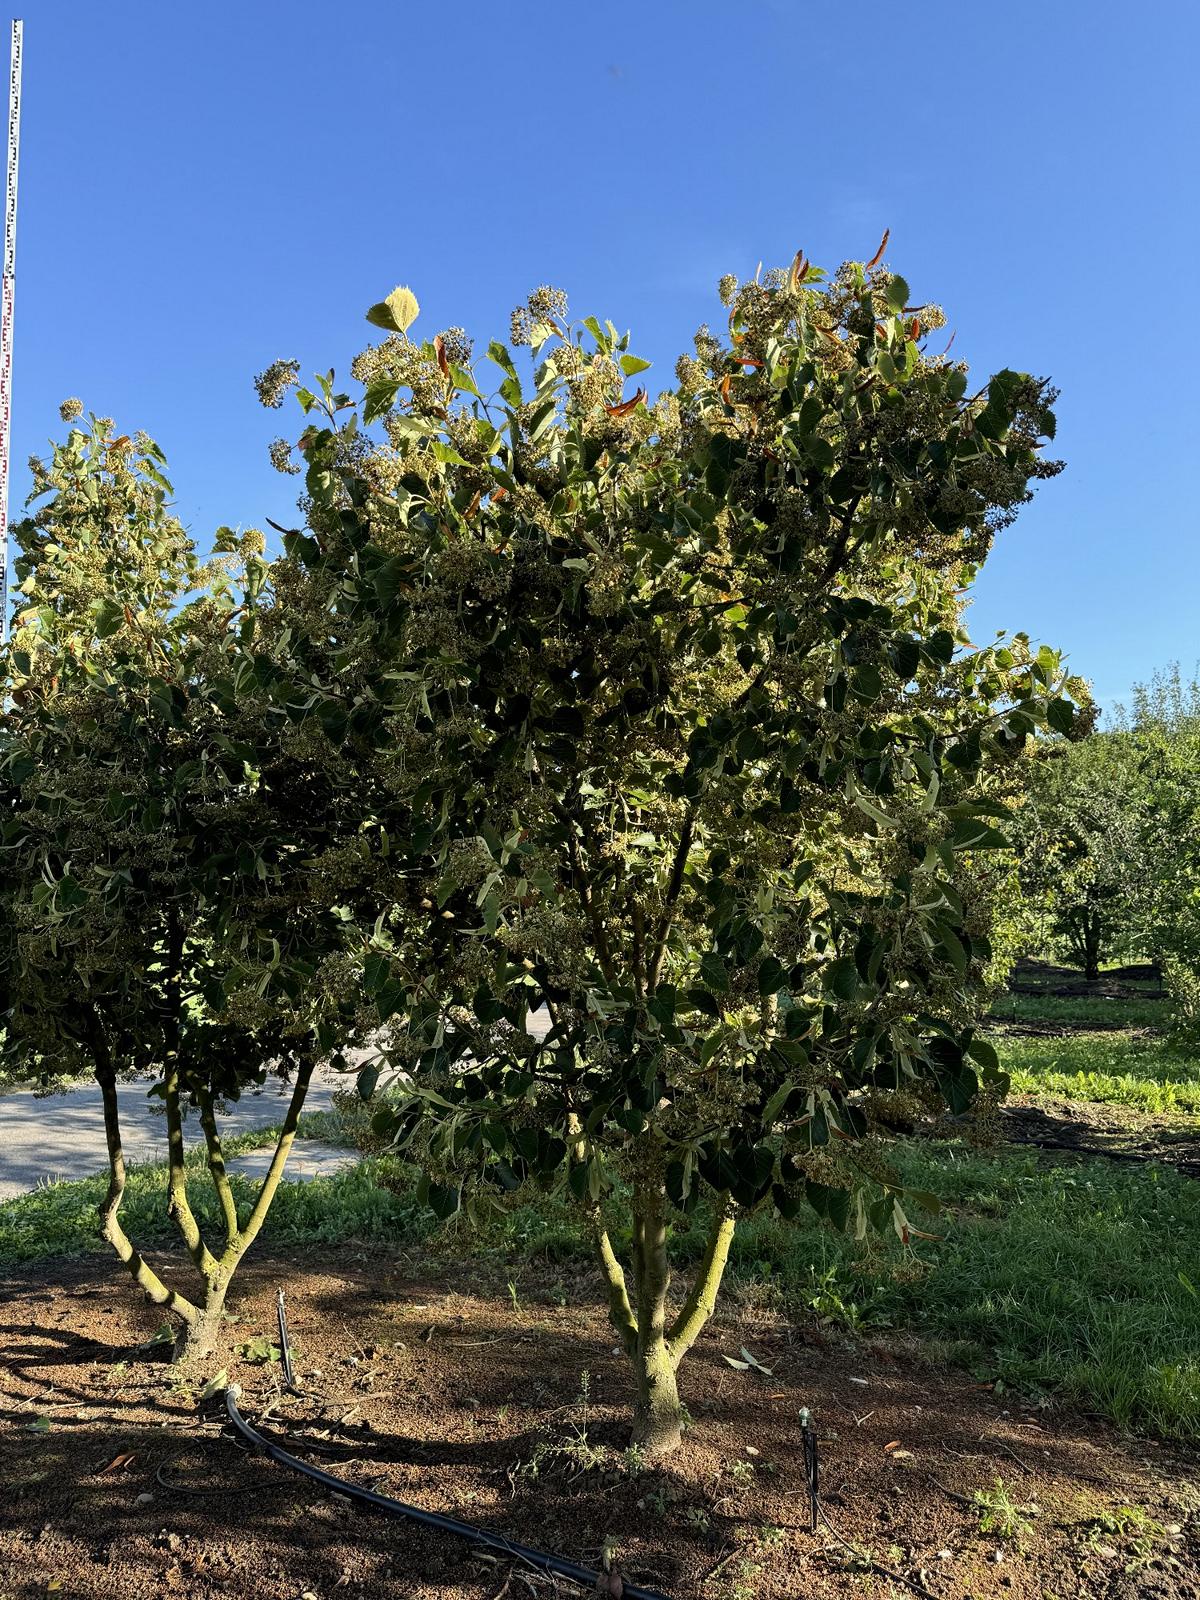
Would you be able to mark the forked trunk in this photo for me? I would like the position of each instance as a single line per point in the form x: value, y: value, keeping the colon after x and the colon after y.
x: 654, y: 1351
x: 200, y: 1323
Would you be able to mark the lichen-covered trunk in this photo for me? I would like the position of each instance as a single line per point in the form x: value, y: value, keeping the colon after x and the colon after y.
x: 200, y: 1320
x: 654, y: 1350
x: 658, y: 1415
x: 155, y: 1290
x: 198, y: 1335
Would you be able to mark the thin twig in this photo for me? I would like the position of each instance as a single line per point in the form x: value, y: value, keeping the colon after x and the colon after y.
x: 1008, y: 1450
x: 950, y: 1494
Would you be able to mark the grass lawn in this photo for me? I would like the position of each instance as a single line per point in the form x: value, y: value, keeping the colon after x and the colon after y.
x: 1100, y: 1011
x: 1129, y: 1069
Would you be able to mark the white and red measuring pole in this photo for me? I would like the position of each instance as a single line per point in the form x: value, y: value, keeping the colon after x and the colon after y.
x: 6, y: 313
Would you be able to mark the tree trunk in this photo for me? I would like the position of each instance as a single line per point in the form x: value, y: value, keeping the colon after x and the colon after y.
x: 658, y: 1416
x: 1091, y: 948
x: 655, y: 1353
x: 139, y: 1269
x: 196, y: 1338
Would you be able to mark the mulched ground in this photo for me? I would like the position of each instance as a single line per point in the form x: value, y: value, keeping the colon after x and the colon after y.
x: 423, y: 1383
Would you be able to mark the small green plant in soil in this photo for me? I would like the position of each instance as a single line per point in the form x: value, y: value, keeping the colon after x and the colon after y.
x: 1000, y: 1513
x: 1131, y: 1531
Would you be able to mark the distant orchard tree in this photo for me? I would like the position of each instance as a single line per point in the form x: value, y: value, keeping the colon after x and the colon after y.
x: 1085, y: 847
x: 1109, y: 832
x: 669, y: 708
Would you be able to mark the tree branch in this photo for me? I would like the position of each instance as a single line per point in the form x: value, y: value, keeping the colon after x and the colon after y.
x: 674, y: 885
x: 619, y: 1309
x: 270, y: 1183
x: 179, y: 1207
x: 216, y: 1166
x: 702, y: 1300
x: 139, y: 1269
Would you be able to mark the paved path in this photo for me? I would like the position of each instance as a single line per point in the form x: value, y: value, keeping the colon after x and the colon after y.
x: 62, y: 1135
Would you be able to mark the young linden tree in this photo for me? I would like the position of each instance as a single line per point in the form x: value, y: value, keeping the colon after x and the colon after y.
x: 681, y: 746
x: 163, y: 908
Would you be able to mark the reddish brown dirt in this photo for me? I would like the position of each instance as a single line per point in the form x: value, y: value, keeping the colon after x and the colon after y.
x: 425, y: 1385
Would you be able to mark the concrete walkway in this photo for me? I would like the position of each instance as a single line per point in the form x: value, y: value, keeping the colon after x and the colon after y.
x: 62, y: 1135
x: 43, y: 1137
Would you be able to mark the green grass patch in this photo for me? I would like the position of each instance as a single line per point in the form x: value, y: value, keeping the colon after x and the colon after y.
x: 1141, y: 1072
x: 1099, y: 1010
x: 60, y: 1219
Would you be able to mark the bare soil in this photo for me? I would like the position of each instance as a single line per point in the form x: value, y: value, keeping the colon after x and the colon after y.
x: 1092, y: 1128
x: 422, y: 1382
x: 1136, y: 982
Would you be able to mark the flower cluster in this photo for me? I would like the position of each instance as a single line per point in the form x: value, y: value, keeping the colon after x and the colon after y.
x: 274, y: 382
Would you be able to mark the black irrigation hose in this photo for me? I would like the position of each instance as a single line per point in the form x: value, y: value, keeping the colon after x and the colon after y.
x: 540, y: 1559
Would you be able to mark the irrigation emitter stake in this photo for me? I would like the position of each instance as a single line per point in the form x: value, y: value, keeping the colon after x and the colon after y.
x: 285, y: 1353
x: 539, y: 1559
x: 808, y: 1435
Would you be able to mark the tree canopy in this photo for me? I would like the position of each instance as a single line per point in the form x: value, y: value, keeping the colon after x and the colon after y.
x: 673, y: 731
x: 163, y: 851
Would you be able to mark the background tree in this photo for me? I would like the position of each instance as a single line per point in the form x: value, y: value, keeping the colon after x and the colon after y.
x: 1109, y: 833
x: 1086, y: 848
x: 681, y: 741
x: 165, y: 911
x: 1162, y: 721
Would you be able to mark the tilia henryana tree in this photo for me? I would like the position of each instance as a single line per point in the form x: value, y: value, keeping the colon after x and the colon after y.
x: 162, y: 892
x: 682, y: 741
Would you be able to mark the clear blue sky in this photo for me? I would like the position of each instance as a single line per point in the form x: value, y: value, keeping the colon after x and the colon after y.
x: 207, y: 186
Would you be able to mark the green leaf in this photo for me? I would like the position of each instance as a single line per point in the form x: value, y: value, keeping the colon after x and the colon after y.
x: 1061, y: 715
x: 984, y: 1052
x: 897, y: 293
x: 633, y: 364
x: 397, y: 313
x: 866, y: 683
x: 954, y: 949
x: 772, y: 975
x: 498, y: 353
x: 714, y: 973
x: 832, y: 1204
x: 972, y: 833
x: 841, y: 978
x: 109, y: 616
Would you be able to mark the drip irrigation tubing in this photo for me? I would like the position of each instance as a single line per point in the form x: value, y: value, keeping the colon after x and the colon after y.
x: 542, y: 1560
